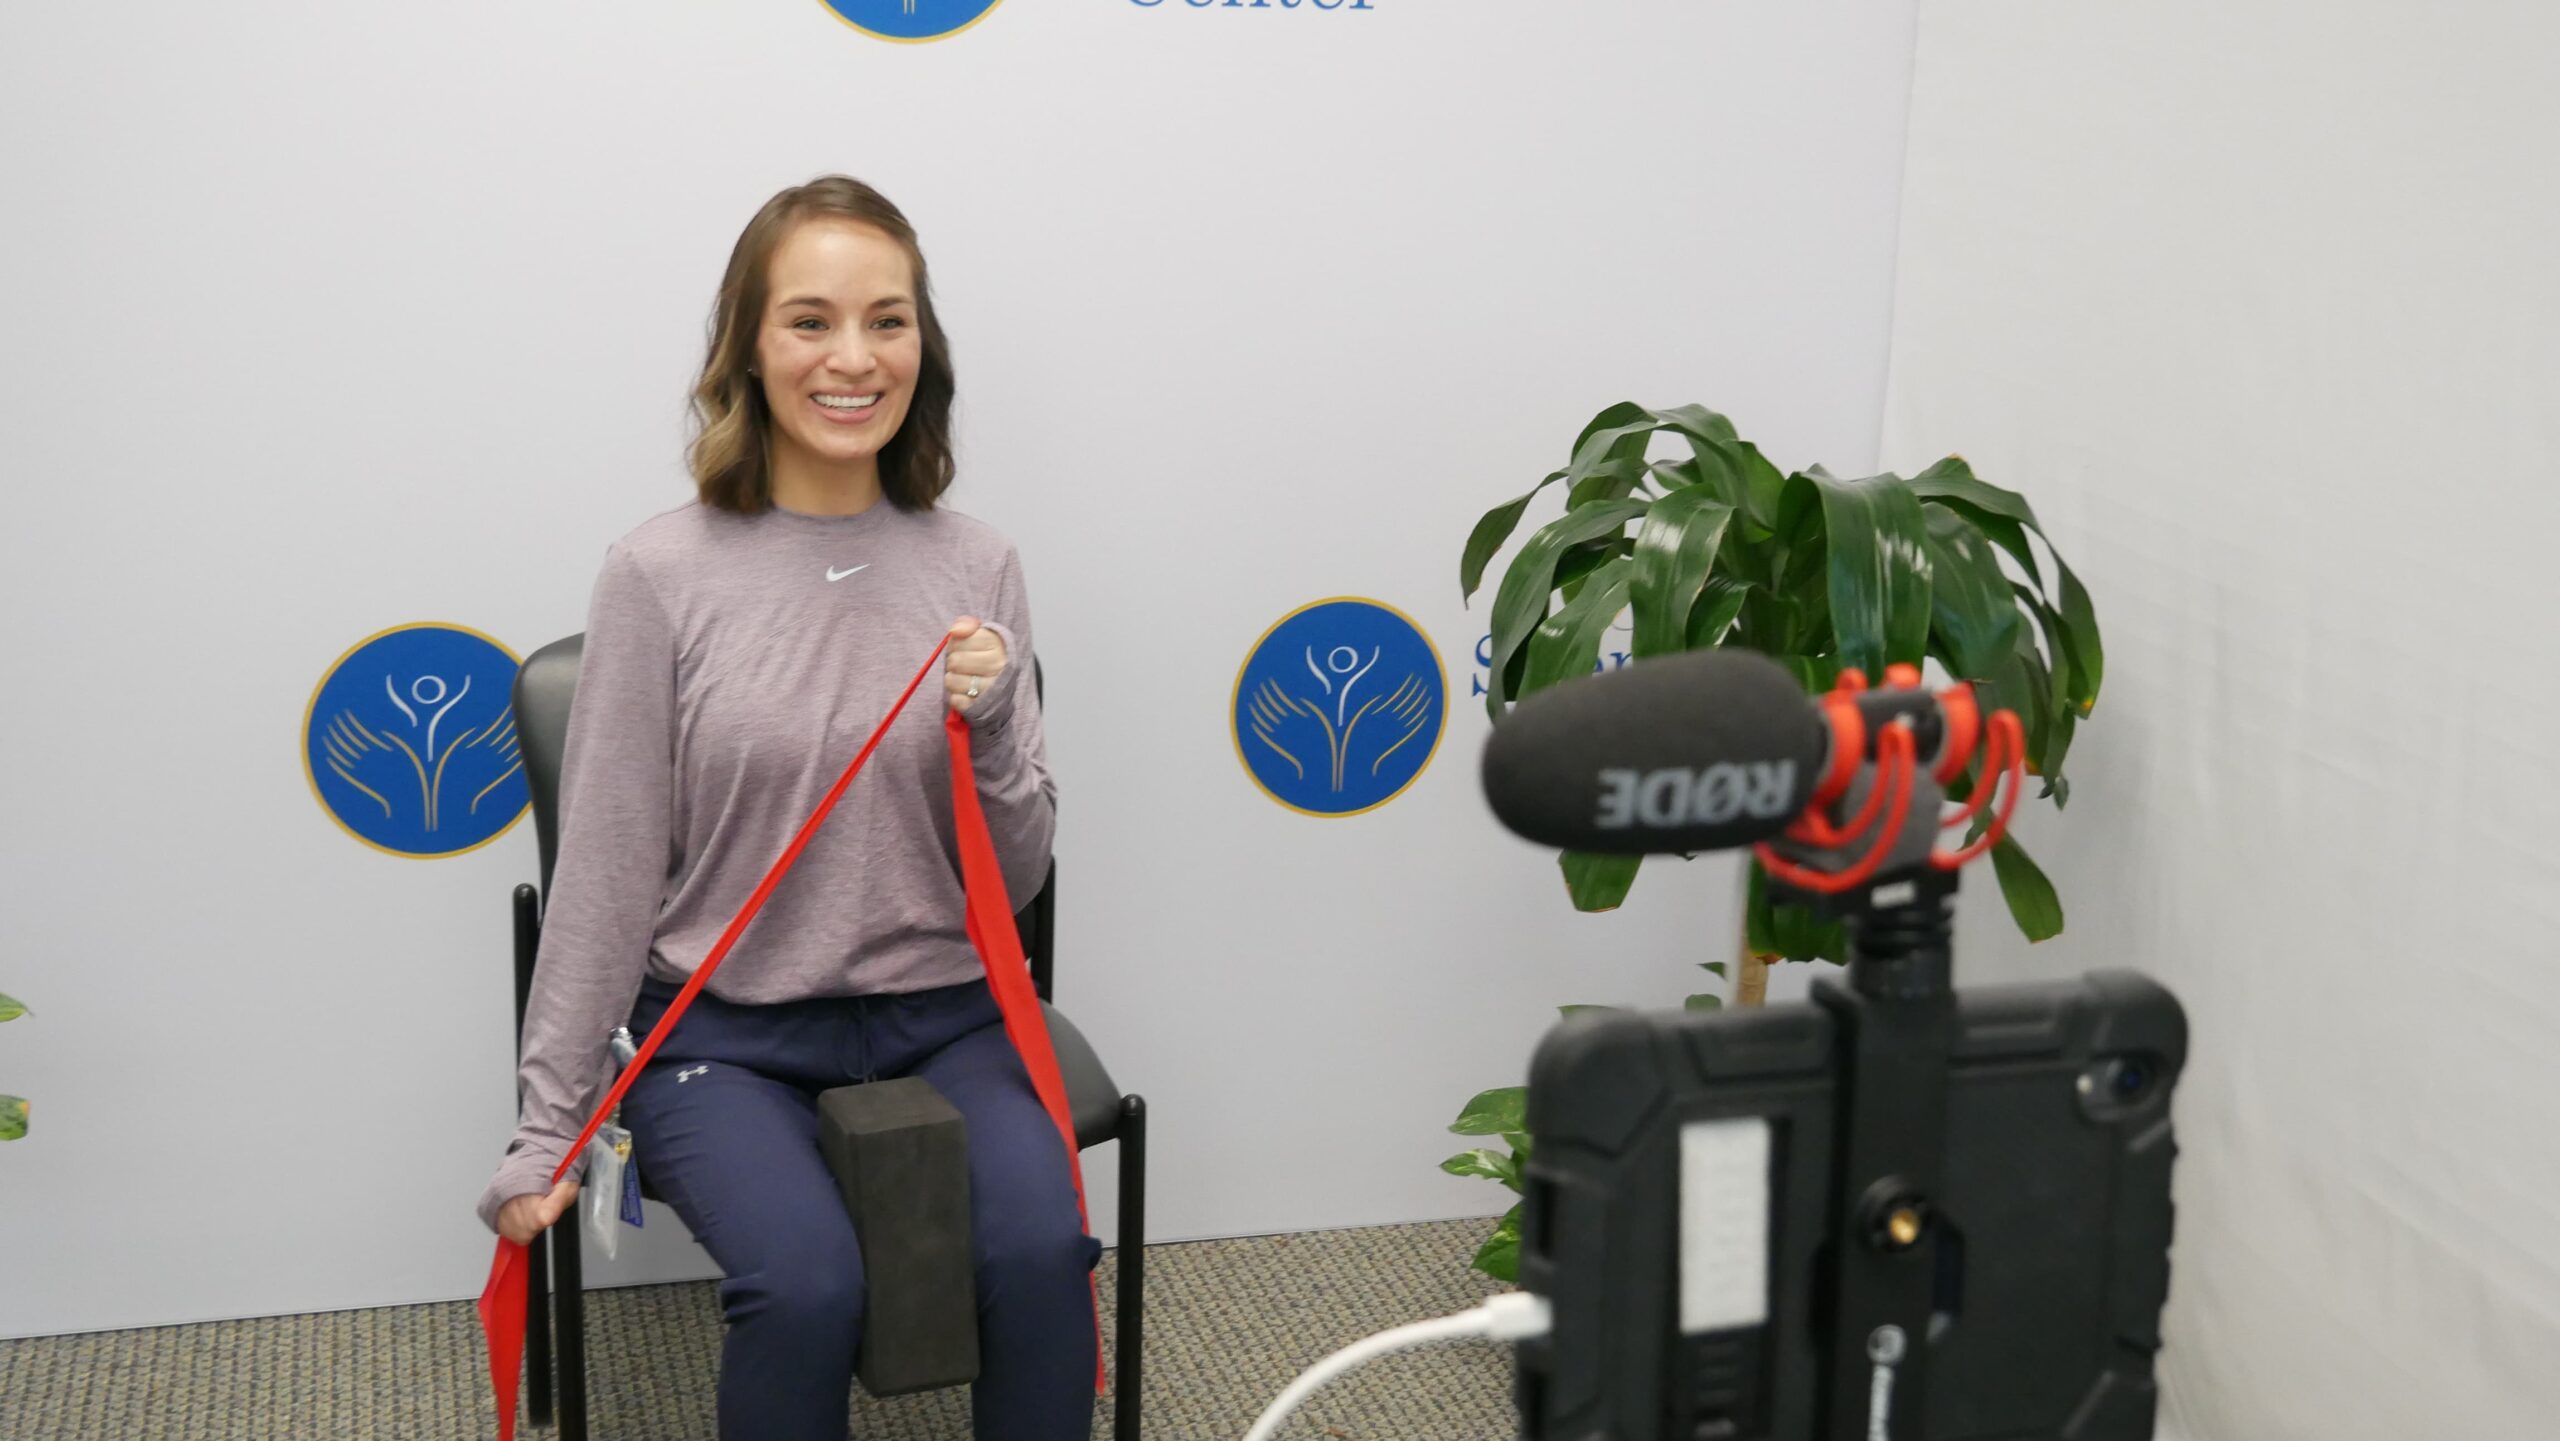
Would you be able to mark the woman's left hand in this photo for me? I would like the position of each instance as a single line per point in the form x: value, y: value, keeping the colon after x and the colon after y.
x: 971, y: 664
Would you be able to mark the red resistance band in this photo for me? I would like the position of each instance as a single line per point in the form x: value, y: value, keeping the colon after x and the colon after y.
x: 999, y: 945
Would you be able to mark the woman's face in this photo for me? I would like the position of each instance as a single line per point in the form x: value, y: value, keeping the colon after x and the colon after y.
x: 838, y: 348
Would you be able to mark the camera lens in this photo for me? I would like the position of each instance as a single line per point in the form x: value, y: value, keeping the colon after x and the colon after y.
x: 2132, y: 1079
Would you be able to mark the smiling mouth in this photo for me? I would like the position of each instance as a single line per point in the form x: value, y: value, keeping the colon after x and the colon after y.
x: 847, y: 403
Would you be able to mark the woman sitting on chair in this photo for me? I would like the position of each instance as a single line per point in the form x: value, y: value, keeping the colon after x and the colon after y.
x: 737, y: 649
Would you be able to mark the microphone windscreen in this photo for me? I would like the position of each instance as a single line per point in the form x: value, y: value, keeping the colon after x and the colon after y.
x: 1702, y: 751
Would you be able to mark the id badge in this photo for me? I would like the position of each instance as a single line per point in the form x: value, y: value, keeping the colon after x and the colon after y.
x: 608, y: 1163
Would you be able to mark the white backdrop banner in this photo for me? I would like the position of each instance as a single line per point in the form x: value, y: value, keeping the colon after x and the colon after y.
x: 347, y: 337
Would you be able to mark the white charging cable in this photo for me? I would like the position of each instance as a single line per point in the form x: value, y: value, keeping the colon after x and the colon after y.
x: 1514, y: 1316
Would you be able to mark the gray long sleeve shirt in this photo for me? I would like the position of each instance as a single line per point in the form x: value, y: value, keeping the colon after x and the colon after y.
x: 733, y: 665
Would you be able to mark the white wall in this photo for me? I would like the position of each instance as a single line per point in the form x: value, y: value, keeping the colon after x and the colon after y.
x: 2257, y: 302
x: 328, y: 319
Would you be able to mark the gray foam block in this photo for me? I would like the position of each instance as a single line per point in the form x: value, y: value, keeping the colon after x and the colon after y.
x: 900, y: 1153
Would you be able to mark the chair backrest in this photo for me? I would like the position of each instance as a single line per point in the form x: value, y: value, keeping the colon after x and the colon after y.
x: 547, y: 684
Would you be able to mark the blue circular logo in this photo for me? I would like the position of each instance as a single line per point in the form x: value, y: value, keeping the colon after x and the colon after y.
x: 911, y: 20
x: 1339, y: 707
x: 410, y: 741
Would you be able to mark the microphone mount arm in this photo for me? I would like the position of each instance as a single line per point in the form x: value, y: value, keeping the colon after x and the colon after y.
x: 1895, y: 1026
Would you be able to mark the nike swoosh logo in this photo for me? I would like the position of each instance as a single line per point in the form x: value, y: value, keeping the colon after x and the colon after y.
x: 835, y: 574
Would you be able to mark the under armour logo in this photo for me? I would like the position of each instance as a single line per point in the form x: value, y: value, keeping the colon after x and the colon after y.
x: 690, y: 1072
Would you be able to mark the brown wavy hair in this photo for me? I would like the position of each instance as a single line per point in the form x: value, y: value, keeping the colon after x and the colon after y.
x: 732, y: 454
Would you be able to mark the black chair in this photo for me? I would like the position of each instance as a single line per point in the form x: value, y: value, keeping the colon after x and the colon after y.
x: 544, y: 689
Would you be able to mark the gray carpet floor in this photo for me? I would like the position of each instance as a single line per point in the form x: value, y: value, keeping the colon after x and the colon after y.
x: 1229, y: 1324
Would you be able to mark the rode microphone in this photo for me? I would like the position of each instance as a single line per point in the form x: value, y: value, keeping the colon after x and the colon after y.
x: 1718, y: 749
x: 1704, y: 751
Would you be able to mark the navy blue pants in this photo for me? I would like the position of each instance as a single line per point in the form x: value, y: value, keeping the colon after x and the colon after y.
x: 725, y: 1129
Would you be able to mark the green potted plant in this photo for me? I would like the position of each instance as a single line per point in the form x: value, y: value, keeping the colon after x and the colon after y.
x: 13, y: 1109
x: 1718, y: 547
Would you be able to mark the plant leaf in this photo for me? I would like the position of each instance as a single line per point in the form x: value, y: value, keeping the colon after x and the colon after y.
x: 1578, y: 1010
x: 1768, y: 622
x: 1743, y: 477
x: 1500, y: 1256
x: 1522, y: 601
x: 1953, y: 480
x: 13, y: 1118
x: 2006, y: 533
x: 1492, y: 1165
x: 1491, y: 531
x: 1876, y: 543
x: 1598, y: 882
x: 2019, y: 683
x: 1816, y: 673
x: 1608, y: 457
x: 2040, y: 687
x: 1971, y: 608
x: 1793, y: 932
x: 1675, y: 549
x: 2059, y: 716
x: 1567, y: 644
x: 2069, y: 693
x: 1805, y: 935
x: 1695, y: 421
x: 1711, y: 465
x: 1759, y: 930
x: 1762, y: 482
x: 1616, y: 434
x: 1722, y: 971
x: 1614, y: 480
x: 1799, y: 539
x: 2048, y: 763
x: 2031, y: 898
x: 1717, y: 608
x: 1505, y: 1108
x: 1704, y: 1002
x: 2080, y: 621
x: 11, y: 1009
x: 1576, y: 565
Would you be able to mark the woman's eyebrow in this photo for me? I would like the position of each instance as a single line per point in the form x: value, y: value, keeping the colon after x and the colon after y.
x: 821, y: 303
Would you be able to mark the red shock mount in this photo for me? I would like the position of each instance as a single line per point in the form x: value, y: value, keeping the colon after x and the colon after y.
x: 1892, y: 721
